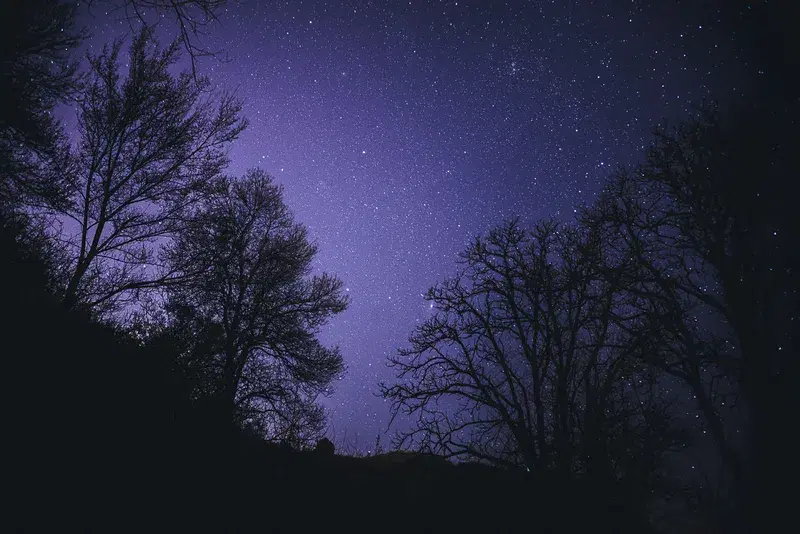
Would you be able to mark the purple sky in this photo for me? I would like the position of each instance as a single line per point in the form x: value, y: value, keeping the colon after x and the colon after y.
x: 400, y: 131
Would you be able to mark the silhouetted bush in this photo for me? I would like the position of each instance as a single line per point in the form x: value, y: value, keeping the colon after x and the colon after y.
x: 325, y: 447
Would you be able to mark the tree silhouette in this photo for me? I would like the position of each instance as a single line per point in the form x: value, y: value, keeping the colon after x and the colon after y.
x: 37, y: 73
x: 250, y: 311
x: 325, y: 447
x: 150, y: 145
x: 524, y: 366
x: 191, y: 16
x: 709, y: 224
x: 668, y: 289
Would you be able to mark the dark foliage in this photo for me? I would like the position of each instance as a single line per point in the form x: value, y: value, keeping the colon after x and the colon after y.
x: 249, y: 311
x: 36, y: 73
x: 325, y: 446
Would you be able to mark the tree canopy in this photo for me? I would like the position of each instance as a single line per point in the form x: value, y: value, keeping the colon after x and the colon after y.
x: 250, y: 298
x: 150, y: 145
x: 525, y: 363
x: 37, y: 71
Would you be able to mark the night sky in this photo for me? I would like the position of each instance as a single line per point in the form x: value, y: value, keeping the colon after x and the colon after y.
x: 399, y: 130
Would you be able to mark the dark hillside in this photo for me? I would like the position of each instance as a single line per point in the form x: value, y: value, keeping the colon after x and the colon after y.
x: 300, y: 491
x: 102, y: 437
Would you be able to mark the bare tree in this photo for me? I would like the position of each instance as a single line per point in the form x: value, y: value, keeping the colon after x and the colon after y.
x: 150, y: 147
x: 193, y: 17
x: 272, y: 402
x: 670, y: 291
x: 253, y: 305
x: 720, y: 183
x: 522, y: 365
x: 709, y: 222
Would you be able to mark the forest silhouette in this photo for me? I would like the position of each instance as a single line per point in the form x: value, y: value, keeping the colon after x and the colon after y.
x: 161, y: 323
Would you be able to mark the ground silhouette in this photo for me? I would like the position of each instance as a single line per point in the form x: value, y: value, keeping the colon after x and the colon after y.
x: 102, y: 438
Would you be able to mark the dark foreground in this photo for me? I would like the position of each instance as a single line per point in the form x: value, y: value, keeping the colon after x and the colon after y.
x: 98, y: 439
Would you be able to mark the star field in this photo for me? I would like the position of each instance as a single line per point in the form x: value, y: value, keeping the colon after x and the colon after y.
x: 400, y: 130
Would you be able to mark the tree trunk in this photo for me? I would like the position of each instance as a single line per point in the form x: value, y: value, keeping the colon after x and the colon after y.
x: 728, y: 455
x: 230, y: 385
x: 71, y: 293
